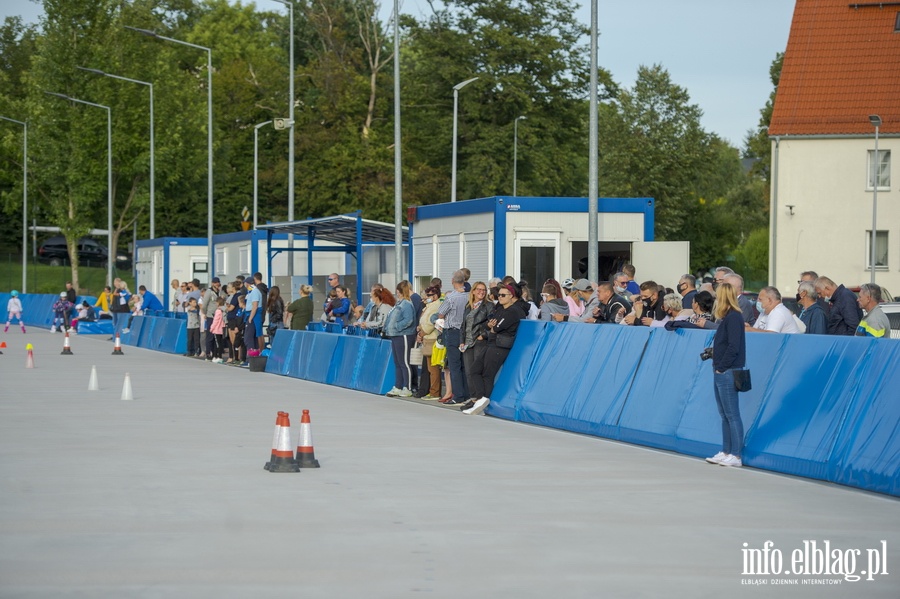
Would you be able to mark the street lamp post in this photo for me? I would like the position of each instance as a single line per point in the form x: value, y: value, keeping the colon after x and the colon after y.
x: 516, y: 151
x: 209, y: 142
x: 111, y: 251
x: 456, y: 89
x: 398, y: 171
x: 152, y: 144
x: 876, y: 122
x: 593, y: 158
x: 256, y: 175
x: 24, y: 202
x: 290, y: 272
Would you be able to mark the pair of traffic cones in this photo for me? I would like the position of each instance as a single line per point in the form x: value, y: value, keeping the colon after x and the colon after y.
x: 127, y: 393
x: 283, y: 459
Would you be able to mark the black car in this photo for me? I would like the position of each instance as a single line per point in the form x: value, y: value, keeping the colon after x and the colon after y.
x: 90, y: 253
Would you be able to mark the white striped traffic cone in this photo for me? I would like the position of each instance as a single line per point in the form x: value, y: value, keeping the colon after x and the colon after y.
x: 306, y: 455
x: 29, y: 358
x: 117, y: 350
x: 67, y: 349
x: 282, y: 459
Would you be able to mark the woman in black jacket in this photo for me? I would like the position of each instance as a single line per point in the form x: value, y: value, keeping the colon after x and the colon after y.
x: 729, y: 353
x: 473, y: 341
x: 503, y: 323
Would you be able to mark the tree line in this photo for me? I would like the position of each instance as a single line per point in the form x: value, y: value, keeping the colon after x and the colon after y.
x: 530, y: 57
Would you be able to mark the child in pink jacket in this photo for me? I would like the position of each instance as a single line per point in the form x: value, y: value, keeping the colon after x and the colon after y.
x: 217, y: 328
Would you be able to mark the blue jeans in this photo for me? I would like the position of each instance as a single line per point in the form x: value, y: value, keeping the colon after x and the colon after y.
x: 400, y: 347
x: 730, y: 411
x: 455, y: 364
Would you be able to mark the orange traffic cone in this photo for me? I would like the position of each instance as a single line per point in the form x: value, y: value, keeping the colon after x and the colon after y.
x: 282, y: 459
x: 306, y: 455
x: 117, y: 350
x: 29, y: 359
x: 2, y: 346
x: 67, y: 350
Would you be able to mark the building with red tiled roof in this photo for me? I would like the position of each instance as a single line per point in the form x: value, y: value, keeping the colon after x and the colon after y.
x: 841, y: 69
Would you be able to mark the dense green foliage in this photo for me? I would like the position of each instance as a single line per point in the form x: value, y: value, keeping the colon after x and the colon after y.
x: 530, y: 57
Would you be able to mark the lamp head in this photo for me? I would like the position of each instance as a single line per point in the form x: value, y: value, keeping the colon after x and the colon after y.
x: 94, y: 71
x: 875, y: 120
x: 146, y: 32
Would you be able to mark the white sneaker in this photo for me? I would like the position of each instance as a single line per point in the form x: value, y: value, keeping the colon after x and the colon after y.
x: 394, y: 392
x: 73, y: 331
x: 404, y: 392
x: 126, y: 330
x: 717, y: 459
x: 479, y: 406
x: 52, y: 329
x: 731, y: 461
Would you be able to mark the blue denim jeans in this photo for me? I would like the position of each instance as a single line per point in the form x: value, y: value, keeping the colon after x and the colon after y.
x: 455, y: 364
x: 730, y: 411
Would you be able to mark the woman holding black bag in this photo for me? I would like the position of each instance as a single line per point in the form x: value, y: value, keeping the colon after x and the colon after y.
x: 502, y: 323
x: 729, y: 355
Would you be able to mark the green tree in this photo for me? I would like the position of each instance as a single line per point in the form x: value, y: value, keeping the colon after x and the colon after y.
x: 652, y: 145
x: 530, y: 60
x: 756, y: 143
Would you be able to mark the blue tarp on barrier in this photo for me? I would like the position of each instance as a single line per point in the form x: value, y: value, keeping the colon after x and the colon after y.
x: 98, y: 327
x: 347, y: 361
x: 159, y: 333
x: 822, y: 407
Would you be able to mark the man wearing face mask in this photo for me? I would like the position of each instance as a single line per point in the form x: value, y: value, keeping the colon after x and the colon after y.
x: 774, y: 317
x: 613, y: 307
x: 811, y: 313
x: 687, y: 289
x: 651, y: 301
x: 845, y: 313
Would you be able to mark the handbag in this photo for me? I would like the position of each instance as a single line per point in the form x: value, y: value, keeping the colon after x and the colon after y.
x: 415, y: 355
x: 504, y: 340
x: 438, y: 355
x: 742, y: 379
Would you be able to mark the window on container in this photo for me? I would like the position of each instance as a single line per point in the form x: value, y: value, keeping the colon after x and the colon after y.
x: 881, y: 250
x: 244, y: 259
x: 883, y: 173
x: 220, y: 262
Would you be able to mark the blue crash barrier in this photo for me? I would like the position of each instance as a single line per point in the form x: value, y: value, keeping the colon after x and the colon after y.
x: 821, y: 406
x: 37, y: 309
x: 354, y: 362
x: 157, y: 332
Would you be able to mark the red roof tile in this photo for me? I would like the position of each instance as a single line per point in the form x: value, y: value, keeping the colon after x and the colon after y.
x: 842, y: 63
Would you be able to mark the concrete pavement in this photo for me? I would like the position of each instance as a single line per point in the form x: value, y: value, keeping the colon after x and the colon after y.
x: 166, y: 496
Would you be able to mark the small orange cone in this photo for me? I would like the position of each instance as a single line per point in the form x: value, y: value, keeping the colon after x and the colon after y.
x: 282, y: 459
x: 117, y: 350
x: 2, y: 346
x: 306, y: 455
x: 67, y: 349
x: 29, y: 359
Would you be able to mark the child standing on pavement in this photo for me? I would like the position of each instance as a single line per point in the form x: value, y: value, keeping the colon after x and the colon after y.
x: 193, y: 328
x: 14, y: 310
x: 217, y: 328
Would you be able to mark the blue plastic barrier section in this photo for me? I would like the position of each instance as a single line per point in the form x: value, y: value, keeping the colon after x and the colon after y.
x: 821, y: 406
x: 37, y: 309
x: 156, y: 332
x: 351, y: 361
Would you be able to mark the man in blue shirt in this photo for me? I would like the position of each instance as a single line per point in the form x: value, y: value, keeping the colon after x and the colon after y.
x: 254, y: 316
x: 149, y: 301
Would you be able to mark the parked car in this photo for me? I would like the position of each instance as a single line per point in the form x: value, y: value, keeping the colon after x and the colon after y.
x: 55, y: 252
x: 892, y: 311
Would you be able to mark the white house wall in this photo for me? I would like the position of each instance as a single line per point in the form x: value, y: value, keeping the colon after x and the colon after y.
x: 825, y: 180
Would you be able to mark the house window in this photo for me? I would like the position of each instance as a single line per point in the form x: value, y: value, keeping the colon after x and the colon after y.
x: 244, y: 259
x: 884, y: 170
x: 881, y: 250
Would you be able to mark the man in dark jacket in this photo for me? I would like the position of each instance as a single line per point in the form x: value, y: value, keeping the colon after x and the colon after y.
x: 652, y: 306
x: 845, y: 313
x: 811, y: 314
x: 611, y: 305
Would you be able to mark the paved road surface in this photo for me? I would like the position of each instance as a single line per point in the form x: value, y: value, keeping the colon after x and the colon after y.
x: 166, y: 496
